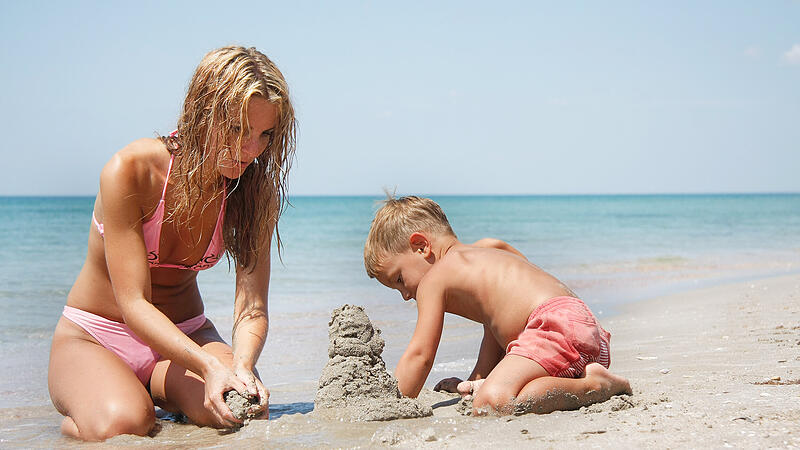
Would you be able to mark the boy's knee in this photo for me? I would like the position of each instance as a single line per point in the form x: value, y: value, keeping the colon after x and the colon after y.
x: 491, y: 397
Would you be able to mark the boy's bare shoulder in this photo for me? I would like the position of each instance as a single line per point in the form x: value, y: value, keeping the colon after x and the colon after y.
x: 460, y: 258
x: 466, y: 260
x: 456, y: 269
x: 484, y: 248
x: 497, y: 244
x: 489, y: 243
x: 445, y: 271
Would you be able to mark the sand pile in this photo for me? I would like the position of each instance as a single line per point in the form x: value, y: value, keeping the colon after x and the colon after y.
x: 355, y: 385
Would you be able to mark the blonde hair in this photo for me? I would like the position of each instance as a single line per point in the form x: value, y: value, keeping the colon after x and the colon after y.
x: 394, y: 223
x: 214, y: 115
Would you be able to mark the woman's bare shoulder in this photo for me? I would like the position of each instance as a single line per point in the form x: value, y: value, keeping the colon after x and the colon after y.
x: 142, y: 151
x: 135, y: 164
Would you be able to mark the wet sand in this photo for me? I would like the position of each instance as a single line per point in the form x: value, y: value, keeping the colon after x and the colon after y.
x: 717, y: 367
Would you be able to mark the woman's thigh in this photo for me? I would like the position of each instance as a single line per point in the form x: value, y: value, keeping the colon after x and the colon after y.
x: 94, y: 388
x: 177, y: 389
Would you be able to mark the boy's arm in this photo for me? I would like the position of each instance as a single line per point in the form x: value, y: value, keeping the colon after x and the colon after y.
x: 488, y: 356
x: 417, y: 361
x: 498, y: 244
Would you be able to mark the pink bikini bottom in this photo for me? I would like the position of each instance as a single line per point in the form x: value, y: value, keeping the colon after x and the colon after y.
x: 118, y: 338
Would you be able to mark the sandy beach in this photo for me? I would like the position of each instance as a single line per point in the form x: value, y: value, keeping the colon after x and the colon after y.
x: 717, y: 367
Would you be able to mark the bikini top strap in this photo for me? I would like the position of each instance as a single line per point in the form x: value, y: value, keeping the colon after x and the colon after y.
x: 166, y: 181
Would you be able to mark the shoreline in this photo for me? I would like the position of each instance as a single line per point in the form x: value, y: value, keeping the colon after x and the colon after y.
x: 717, y: 366
x: 675, y: 288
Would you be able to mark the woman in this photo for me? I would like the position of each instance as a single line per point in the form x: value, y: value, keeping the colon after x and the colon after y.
x: 133, y: 333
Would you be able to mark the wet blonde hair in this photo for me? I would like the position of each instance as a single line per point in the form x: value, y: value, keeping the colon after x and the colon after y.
x: 214, y: 115
x: 394, y: 223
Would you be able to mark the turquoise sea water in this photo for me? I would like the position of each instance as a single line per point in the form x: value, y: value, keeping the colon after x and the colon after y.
x: 609, y: 249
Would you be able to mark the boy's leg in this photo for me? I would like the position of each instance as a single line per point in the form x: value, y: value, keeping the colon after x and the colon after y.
x: 519, y: 382
x: 548, y: 394
x: 502, y: 387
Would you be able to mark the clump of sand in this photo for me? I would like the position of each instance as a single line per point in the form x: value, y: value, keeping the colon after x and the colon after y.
x: 240, y: 405
x: 464, y: 406
x: 355, y: 385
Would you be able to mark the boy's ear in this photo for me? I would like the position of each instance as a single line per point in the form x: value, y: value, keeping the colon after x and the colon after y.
x: 420, y: 243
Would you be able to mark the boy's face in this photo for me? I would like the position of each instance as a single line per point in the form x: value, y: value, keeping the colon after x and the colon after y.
x: 404, y: 271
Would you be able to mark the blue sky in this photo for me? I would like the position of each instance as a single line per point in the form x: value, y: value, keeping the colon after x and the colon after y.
x: 450, y: 98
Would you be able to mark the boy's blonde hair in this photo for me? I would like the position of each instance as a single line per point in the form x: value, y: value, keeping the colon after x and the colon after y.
x: 394, y: 223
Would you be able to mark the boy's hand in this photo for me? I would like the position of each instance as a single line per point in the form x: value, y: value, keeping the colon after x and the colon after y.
x: 448, y: 385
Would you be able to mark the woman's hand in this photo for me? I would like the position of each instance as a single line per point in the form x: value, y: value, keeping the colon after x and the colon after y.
x: 218, y: 380
x: 254, y: 389
x: 448, y: 385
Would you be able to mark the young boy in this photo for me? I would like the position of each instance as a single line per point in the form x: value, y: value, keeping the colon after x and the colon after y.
x: 542, y: 348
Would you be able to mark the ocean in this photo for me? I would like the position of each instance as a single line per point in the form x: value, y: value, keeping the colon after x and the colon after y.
x: 610, y: 249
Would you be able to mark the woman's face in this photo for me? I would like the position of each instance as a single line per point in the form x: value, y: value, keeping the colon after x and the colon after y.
x: 261, y: 115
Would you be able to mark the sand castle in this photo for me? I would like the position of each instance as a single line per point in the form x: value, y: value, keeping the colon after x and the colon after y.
x: 355, y: 385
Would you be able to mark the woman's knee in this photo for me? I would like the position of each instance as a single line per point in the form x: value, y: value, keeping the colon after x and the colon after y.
x: 116, y: 418
x: 202, y: 417
x: 205, y: 420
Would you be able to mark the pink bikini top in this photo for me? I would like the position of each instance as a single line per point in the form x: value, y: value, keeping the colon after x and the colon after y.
x: 152, y: 235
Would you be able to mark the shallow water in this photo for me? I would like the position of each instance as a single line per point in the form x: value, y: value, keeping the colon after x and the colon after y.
x: 610, y: 249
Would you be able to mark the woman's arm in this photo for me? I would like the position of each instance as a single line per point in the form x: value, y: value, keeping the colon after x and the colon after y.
x: 121, y: 192
x: 250, y: 316
x: 251, y: 320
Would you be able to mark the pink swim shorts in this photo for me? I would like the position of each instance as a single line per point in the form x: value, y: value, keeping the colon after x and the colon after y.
x: 119, y: 338
x: 563, y: 336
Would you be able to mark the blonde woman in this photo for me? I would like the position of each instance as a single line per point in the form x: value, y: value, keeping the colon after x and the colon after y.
x: 133, y: 333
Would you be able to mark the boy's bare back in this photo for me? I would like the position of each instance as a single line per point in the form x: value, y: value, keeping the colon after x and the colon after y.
x: 495, y: 287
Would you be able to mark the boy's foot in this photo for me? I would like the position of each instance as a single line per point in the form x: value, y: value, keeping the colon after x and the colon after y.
x: 469, y: 387
x: 610, y: 384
